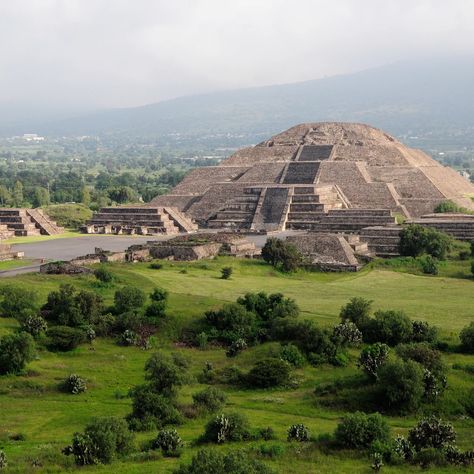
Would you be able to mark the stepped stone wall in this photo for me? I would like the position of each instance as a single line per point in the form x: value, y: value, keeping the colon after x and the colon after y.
x: 367, y: 168
x: 27, y: 222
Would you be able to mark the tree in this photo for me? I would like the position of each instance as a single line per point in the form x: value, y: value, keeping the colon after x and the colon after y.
x: 269, y: 372
x: 401, y: 385
x: 356, y: 311
x: 431, y: 432
x: 467, y: 338
x: 104, y: 440
x: 164, y: 374
x: 359, y: 430
x: 129, y: 298
x: 226, y: 427
x: 18, y: 194
x: 5, y: 196
x: 298, y: 432
x: 281, y: 254
x: 390, y: 327
x: 69, y: 307
x: 169, y: 442
x: 210, y: 399
x: 19, y: 303
x: 85, y: 196
x: 226, y: 273
x: 40, y: 197
x: 16, y: 350
x: 372, y: 358
x: 416, y: 240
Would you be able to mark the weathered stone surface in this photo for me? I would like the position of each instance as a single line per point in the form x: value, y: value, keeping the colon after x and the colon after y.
x: 337, y: 166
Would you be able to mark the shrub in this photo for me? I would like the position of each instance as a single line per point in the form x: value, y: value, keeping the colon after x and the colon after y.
x: 165, y: 373
x: 226, y: 427
x: 389, y: 327
x: 34, y: 325
x: 69, y: 307
x: 236, y: 347
x: 151, y: 409
x: 159, y: 294
x: 155, y: 266
x: 129, y: 298
x: 104, y: 440
x: 298, y: 432
x: 346, y: 334
x: 210, y: 399
x: 429, y: 265
x: 291, y: 354
x: 201, y: 340
x: 267, y: 433
x: 422, y: 353
x: 270, y: 451
x: 214, y: 462
x: 447, y: 206
x: 416, y: 240
x: 128, y: 338
x: 270, y: 372
x: 401, y: 385
x: 64, y: 338
x: 226, y: 273
x: 372, y: 358
x: 233, y: 322
x: 423, y: 332
x: 269, y: 307
x: 428, y: 457
x: 74, y: 384
x: 359, y: 430
x: 169, y: 442
x: 129, y: 320
x: 281, y: 254
x: 19, y: 303
x: 16, y: 350
x: 103, y: 274
x: 104, y: 324
x: 357, y: 311
x: 431, y: 432
x: 467, y: 338
x: 464, y: 255
x: 155, y: 311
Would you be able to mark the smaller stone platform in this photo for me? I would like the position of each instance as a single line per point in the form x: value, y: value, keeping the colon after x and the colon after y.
x: 142, y: 220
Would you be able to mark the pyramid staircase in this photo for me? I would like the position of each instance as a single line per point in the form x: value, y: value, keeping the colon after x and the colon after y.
x: 237, y: 213
x: 43, y: 222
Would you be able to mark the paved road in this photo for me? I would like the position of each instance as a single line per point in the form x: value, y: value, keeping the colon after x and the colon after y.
x: 69, y: 248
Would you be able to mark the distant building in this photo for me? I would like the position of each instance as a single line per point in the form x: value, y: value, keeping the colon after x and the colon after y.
x: 32, y: 137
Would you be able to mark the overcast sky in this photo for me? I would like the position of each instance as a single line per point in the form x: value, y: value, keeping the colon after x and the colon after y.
x: 114, y: 53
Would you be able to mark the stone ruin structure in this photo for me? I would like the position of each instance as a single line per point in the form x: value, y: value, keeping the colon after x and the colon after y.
x: 143, y: 220
x: 325, y: 177
x: 6, y: 253
x: 342, y: 178
x: 26, y: 222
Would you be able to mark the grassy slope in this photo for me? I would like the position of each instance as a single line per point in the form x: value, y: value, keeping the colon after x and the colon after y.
x: 33, y: 405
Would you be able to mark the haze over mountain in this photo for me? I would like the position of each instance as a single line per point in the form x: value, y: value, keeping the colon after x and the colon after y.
x: 412, y: 97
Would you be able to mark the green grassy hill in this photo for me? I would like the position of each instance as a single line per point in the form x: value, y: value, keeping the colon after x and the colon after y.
x: 45, y: 418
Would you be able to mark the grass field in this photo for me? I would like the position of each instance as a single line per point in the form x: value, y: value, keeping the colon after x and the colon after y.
x: 33, y: 406
x: 10, y: 264
x: 41, y: 238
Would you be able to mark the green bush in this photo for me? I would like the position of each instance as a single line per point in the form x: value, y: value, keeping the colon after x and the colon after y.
x: 169, y: 442
x: 356, y: 311
x: 69, y: 215
x: 389, y: 327
x: 226, y: 273
x: 128, y: 338
x: 281, y: 254
x: 129, y: 298
x: 429, y: 457
x: 226, y: 427
x: 70, y: 307
x: 359, y: 430
x: 429, y: 265
x: 431, y: 432
x: 270, y: 372
x: 103, y: 274
x: 464, y: 254
x: 214, y: 462
x: 74, y: 384
x: 18, y: 302
x: 372, y: 358
x: 424, y: 354
x: 64, y: 338
x: 298, y: 432
x: 34, y: 325
x: 346, y: 334
x: 16, y: 350
x: 165, y: 373
x: 423, y: 332
x: 236, y: 347
x: 210, y: 399
x: 3, y: 460
x: 104, y: 440
x: 155, y: 266
x: 401, y: 385
x: 416, y: 240
x: 449, y: 207
x: 267, y: 433
x: 291, y: 354
x: 269, y: 307
x: 151, y: 409
x: 467, y: 338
